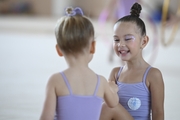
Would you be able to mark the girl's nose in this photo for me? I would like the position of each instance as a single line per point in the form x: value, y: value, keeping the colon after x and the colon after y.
x: 121, y: 44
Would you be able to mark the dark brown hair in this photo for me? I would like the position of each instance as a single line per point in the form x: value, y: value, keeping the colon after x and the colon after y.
x: 134, y: 17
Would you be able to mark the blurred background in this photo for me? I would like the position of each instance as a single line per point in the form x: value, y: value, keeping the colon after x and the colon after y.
x: 28, y: 56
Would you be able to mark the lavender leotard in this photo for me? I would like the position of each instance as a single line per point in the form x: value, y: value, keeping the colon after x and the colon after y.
x: 78, y: 107
x: 135, y: 97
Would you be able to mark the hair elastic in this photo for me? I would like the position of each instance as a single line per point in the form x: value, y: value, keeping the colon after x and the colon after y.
x: 72, y: 12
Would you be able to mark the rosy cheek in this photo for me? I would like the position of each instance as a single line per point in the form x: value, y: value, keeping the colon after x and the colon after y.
x: 115, y: 45
x: 133, y: 44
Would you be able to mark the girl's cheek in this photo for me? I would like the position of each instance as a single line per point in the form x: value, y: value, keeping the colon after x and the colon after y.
x: 114, y: 45
x: 134, y: 45
x: 115, y: 48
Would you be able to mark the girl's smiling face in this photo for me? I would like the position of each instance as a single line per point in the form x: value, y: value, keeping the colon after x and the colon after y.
x: 127, y: 40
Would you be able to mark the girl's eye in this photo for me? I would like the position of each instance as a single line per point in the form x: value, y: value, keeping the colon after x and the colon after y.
x: 116, y: 40
x: 129, y: 38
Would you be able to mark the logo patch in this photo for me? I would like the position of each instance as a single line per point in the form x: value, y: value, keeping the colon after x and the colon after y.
x: 134, y: 103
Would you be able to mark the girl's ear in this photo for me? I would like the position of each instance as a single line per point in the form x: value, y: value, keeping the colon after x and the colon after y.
x: 58, y: 50
x: 93, y: 47
x: 144, y: 41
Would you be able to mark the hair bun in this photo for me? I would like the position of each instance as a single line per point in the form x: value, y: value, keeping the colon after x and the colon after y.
x: 136, y: 10
x: 70, y: 11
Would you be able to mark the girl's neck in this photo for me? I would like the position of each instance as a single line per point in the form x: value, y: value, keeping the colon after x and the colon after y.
x: 77, y: 62
x: 135, y: 64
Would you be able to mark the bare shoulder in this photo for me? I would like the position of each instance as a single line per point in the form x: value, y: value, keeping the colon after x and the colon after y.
x: 54, y: 79
x: 102, y: 79
x: 57, y: 83
x: 155, y: 75
x: 113, y: 74
x: 115, y: 69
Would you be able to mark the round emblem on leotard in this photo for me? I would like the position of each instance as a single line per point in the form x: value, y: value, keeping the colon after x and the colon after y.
x: 134, y: 103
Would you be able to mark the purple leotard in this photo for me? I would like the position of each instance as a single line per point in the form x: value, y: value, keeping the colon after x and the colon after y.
x: 135, y: 97
x: 78, y: 107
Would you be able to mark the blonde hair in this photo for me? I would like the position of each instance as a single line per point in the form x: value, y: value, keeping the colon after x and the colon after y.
x: 74, y: 32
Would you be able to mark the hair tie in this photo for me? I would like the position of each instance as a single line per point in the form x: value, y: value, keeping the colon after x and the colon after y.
x: 72, y: 12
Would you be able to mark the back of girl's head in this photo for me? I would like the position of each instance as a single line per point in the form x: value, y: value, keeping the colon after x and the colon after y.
x: 74, y: 31
x: 134, y: 18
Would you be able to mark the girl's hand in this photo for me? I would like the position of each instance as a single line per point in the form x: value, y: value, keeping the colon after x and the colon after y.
x: 113, y: 86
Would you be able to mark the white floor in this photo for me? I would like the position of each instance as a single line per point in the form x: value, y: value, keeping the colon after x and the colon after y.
x: 28, y: 58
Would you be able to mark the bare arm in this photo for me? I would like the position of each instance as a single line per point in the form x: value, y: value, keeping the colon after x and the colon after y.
x: 113, y: 74
x: 157, y: 94
x: 110, y: 93
x: 118, y: 112
x: 111, y: 89
x: 48, y: 112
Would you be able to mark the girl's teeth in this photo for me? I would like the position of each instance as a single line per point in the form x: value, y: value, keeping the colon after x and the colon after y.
x: 123, y: 51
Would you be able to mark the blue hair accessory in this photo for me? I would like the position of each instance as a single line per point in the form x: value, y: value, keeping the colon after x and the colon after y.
x: 72, y: 12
